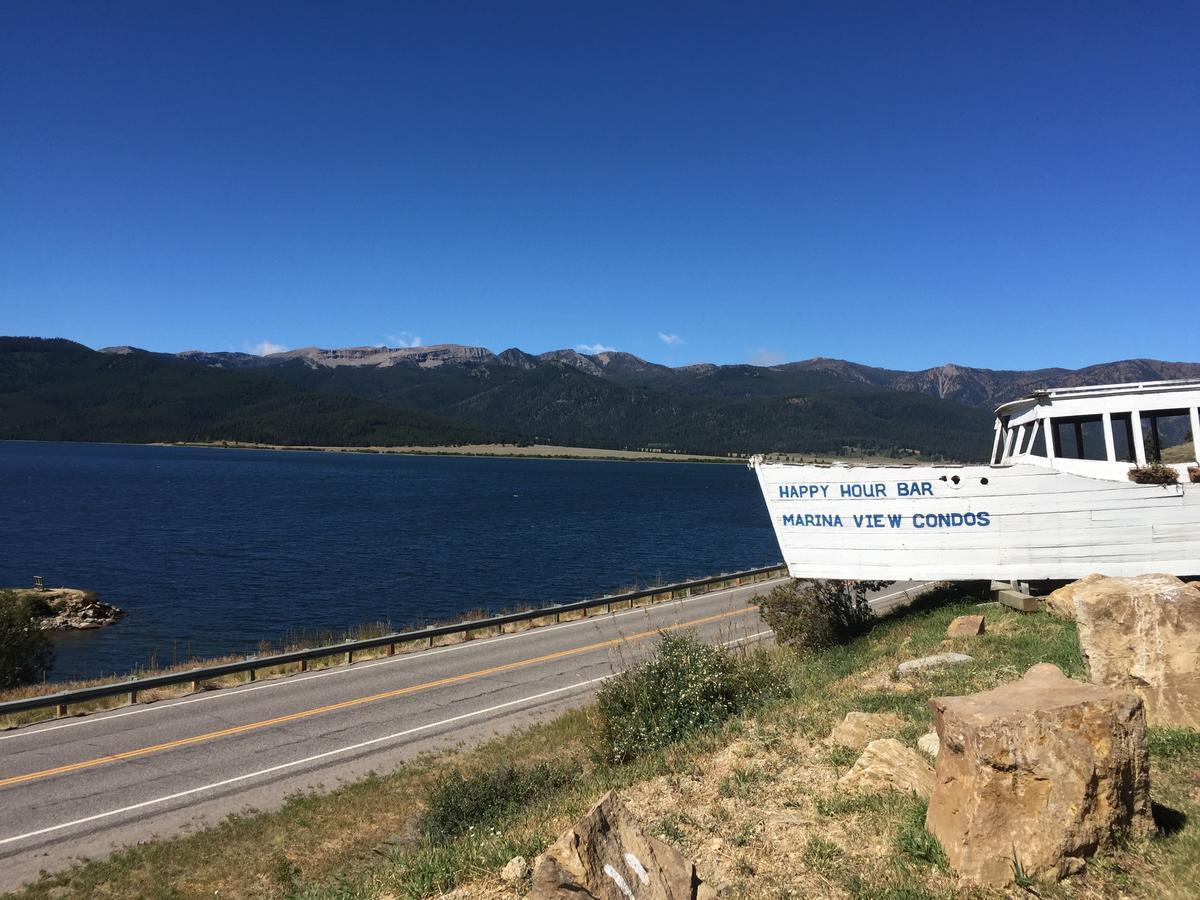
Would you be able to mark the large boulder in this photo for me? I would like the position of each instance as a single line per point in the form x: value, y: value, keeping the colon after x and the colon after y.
x: 607, y: 855
x: 888, y: 765
x: 1143, y: 635
x: 1042, y: 773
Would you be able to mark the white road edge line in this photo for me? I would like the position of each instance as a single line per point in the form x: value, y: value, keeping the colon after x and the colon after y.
x: 300, y: 678
x: 328, y: 753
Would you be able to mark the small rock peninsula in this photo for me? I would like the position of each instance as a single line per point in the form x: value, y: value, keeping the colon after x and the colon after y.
x: 68, y: 609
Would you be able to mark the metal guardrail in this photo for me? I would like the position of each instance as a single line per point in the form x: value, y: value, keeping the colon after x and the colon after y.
x: 64, y: 699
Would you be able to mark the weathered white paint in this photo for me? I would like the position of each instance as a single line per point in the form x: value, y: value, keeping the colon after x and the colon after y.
x: 618, y: 880
x: 635, y: 866
x: 1046, y: 518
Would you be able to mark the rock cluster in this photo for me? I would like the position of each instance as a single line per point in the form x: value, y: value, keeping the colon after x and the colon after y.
x: 1037, y: 775
x: 71, y: 609
x: 1143, y: 635
x: 607, y: 855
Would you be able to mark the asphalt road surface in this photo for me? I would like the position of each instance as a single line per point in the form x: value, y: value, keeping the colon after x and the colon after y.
x: 83, y: 787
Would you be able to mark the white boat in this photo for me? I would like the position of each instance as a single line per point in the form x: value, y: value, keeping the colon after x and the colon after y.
x: 1056, y: 502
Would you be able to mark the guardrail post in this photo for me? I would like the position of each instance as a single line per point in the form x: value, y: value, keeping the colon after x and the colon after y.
x: 557, y: 618
x: 304, y: 665
x: 133, y: 698
x: 61, y: 710
x: 195, y: 686
x: 349, y: 657
x: 428, y: 643
x: 250, y: 675
x: 391, y: 649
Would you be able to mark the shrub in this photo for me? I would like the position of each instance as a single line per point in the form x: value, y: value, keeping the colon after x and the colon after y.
x: 1154, y: 473
x: 35, y: 605
x: 25, y: 653
x: 685, y: 687
x: 459, y: 802
x: 814, y: 615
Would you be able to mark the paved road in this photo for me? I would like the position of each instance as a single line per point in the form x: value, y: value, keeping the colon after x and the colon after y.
x: 83, y: 787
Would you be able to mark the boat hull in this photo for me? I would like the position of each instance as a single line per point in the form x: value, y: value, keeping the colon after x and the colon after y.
x: 1013, y: 522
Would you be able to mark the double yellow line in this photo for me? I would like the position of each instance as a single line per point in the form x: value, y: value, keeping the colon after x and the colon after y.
x: 359, y: 701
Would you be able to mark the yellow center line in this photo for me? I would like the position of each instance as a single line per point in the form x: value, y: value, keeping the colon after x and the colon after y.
x: 359, y: 701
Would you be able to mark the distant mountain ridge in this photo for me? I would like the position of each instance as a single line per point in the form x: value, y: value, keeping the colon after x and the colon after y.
x: 964, y: 384
x: 53, y: 389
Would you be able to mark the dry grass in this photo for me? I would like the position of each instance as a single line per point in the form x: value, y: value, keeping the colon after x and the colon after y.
x: 755, y: 802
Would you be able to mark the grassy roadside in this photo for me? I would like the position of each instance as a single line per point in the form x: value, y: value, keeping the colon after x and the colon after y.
x: 753, y: 800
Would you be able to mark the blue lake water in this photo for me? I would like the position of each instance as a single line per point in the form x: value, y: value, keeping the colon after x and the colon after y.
x: 212, y: 551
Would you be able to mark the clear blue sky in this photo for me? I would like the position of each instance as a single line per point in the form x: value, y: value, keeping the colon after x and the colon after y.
x: 904, y: 184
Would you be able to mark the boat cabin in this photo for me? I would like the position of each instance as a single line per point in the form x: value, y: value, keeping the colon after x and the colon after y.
x: 1102, y: 430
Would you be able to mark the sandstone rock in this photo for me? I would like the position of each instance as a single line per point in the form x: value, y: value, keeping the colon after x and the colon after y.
x: 887, y: 764
x: 607, y: 855
x: 929, y: 744
x: 859, y: 728
x: 965, y: 626
x: 932, y: 662
x: 515, y: 870
x: 1061, y: 602
x: 1143, y: 635
x: 1046, y: 768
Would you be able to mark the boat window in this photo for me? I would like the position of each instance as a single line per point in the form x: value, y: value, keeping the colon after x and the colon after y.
x: 1024, y: 438
x: 1041, y: 445
x: 1122, y: 432
x: 1167, y: 434
x: 1080, y: 437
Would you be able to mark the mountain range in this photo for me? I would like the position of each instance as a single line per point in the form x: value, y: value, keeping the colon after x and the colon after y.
x: 56, y: 389
x: 963, y: 384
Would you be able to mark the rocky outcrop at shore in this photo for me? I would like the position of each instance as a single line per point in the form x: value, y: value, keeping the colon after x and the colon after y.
x: 69, y: 609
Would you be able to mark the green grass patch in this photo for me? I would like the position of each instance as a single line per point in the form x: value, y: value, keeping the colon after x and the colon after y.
x: 1173, y: 742
x: 462, y: 802
x: 915, y: 843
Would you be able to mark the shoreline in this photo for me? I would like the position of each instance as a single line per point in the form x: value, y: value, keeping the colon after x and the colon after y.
x: 508, y: 451
x: 496, y: 451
